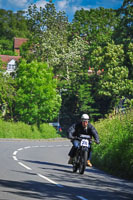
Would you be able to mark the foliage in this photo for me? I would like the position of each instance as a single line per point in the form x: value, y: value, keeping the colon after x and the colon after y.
x: 114, y: 81
x: 124, y: 30
x: 7, y: 92
x: 13, y: 24
x: 36, y: 97
x: 49, y: 32
x: 6, y: 47
x: 21, y: 130
x: 114, y: 154
x: 95, y: 25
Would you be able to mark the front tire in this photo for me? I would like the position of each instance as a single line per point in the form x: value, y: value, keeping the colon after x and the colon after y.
x: 75, y: 168
x: 83, y: 162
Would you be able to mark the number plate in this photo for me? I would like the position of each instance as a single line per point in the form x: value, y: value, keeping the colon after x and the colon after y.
x: 84, y: 143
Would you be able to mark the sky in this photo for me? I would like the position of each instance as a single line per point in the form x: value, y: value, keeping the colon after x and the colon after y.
x: 69, y: 6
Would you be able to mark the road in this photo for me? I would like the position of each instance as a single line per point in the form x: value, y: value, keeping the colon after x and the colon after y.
x: 38, y: 170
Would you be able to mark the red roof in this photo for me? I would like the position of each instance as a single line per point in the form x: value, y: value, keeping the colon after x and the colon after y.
x: 19, y: 41
x: 6, y: 58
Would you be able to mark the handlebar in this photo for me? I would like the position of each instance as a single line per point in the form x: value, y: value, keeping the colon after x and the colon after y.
x: 84, y: 137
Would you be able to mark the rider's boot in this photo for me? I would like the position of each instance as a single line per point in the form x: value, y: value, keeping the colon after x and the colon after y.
x: 70, y: 160
x: 89, y: 163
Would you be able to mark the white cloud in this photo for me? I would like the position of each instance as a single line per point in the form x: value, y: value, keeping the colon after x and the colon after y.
x: 41, y: 3
x: 62, y: 5
x: 19, y: 4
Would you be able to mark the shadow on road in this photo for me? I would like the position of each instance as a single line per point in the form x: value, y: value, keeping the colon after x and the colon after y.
x: 40, y: 190
x: 93, y: 185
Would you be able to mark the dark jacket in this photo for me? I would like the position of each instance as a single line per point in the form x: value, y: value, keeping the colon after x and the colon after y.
x: 77, y: 129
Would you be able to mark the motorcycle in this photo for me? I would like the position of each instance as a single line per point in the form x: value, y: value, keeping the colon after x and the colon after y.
x: 80, y: 160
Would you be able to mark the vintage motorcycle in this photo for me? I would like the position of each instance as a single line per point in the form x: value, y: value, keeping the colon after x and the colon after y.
x: 80, y: 160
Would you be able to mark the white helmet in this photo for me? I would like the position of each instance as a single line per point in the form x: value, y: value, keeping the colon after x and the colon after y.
x: 84, y: 117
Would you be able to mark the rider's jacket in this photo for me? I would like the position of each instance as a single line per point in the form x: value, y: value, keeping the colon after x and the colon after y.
x: 77, y: 129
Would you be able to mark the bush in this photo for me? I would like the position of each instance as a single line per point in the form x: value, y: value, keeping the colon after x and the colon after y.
x: 22, y: 130
x: 114, y: 154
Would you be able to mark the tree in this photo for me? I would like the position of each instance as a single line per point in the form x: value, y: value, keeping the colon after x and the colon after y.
x: 13, y: 24
x: 7, y: 95
x: 74, y: 77
x: 124, y: 31
x: 49, y: 32
x: 37, y: 100
x: 113, y: 82
x: 96, y: 25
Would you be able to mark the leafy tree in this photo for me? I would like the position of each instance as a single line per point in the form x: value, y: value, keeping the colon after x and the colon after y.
x: 113, y: 82
x: 36, y: 98
x: 74, y: 77
x: 49, y: 32
x: 13, y: 24
x: 95, y: 25
x: 124, y: 32
x: 7, y: 93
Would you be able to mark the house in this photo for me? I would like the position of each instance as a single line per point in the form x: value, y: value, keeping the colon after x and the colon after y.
x: 9, y: 63
x: 17, y: 44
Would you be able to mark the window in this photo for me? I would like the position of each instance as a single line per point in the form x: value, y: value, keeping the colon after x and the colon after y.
x: 11, y: 67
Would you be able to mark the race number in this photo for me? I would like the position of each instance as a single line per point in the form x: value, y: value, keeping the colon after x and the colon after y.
x: 84, y: 143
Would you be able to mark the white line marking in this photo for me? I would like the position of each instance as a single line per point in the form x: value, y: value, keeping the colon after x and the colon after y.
x: 49, y: 180
x: 27, y: 147
x: 42, y: 146
x: 66, y: 145
x: 35, y: 146
x: 59, y: 145
x: 15, y: 152
x: 82, y: 198
x: 14, y: 157
x: 20, y: 149
x: 24, y: 166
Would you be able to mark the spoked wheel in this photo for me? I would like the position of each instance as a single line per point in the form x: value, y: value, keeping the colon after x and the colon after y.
x: 75, y: 168
x: 75, y: 165
x: 83, y: 162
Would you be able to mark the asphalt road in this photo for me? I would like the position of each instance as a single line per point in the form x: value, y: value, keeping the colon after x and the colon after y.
x: 39, y: 170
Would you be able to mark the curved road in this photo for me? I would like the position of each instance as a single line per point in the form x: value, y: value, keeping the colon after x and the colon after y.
x: 39, y: 170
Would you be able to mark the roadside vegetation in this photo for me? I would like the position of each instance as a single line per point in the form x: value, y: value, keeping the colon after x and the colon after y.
x: 23, y: 131
x: 115, y: 152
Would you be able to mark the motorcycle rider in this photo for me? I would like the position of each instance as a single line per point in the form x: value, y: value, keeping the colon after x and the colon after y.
x: 83, y: 127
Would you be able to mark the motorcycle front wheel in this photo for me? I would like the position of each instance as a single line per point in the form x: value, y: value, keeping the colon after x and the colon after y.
x: 75, y: 165
x: 75, y: 168
x: 83, y: 162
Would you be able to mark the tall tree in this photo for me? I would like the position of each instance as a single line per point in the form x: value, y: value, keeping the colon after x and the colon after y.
x: 96, y: 25
x: 113, y: 82
x: 7, y: 96
x: 123, y: 34
x: 13, y: 24
x: 36, y: 98
x: 49, y: 29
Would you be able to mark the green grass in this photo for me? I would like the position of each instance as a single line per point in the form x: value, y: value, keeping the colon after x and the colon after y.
x: 115, y: 152
x: 21, y: 130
